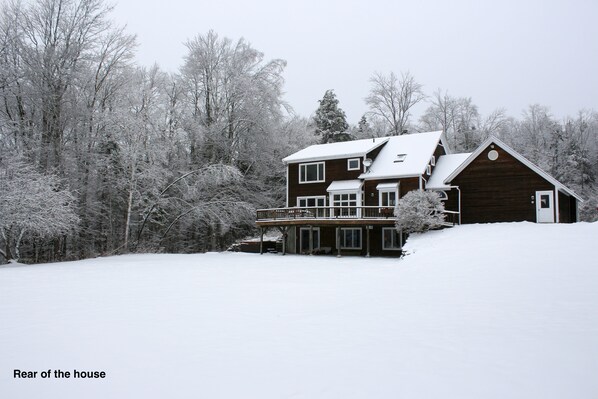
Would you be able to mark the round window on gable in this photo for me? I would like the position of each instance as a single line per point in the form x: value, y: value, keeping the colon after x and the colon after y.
x: 493, y: 155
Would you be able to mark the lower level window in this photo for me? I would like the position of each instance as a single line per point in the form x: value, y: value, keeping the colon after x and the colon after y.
x: 391, y: 239
x: 350, y: 238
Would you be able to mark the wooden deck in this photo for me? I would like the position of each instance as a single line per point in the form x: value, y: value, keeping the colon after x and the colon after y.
x: 333, y: 216
x: 329, y: 215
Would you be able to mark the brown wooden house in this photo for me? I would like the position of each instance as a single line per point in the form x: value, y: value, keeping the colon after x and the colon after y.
x: 341, y: 196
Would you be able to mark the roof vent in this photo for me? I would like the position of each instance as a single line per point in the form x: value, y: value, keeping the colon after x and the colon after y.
x: 400, y: 157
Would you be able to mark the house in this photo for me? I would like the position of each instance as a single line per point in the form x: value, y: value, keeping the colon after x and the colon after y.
x: 341, y: 196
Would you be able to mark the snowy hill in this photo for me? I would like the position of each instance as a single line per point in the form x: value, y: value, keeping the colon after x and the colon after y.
x: 480, y: 311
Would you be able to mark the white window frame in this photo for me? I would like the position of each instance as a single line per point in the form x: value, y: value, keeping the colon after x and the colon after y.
x: 308, y: 197
x: 443, y: 195
x: 397, y: 235
x: 342, y: 232
x: 320, y: 179
x: 386, y: 190
x: 319, y: 210
x: 433, y: 160
x: 315, y: 229
x: 428, y: 170
x: 349, y: 164
x: 334, y: 203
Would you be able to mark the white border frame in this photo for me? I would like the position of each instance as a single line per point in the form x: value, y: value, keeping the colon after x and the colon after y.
x: 400, y: 240
x: 323, y: 178
x: 305, y: 197
x: 358, y: 163
x: 360, y: 238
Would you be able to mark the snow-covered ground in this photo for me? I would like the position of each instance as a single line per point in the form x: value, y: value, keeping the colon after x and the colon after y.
x: 481, y: 311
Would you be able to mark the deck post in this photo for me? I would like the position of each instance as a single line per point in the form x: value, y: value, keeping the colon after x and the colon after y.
x: 338, y: 242
x: 367, y: 236
x: 261, y: 240
x: 284, y: 230
x: 311, y: 240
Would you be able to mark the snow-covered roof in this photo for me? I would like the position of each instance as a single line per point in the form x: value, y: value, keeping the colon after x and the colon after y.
x: 345, y: 149
x: 387, y: 186
x: 417, y: 149
x: 557, y: 184
x: 344, y: 185
x: 445, y: 165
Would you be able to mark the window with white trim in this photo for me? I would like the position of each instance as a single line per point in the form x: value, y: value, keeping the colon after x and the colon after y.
x: 350, y: 238
x: 433, y: 160
x: 311, y: 172
x: 318, y: 202
x: 428, y: 170
x: 391, y: 239
x: 353, y: 164
x: 304, y: 202
x: 388, y: 198
x: 345, y: 204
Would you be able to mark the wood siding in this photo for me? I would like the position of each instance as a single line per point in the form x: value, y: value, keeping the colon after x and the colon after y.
x: 334, y: 170
x: 372, y: 195
x: 567, y: 208
x: 498, y: 191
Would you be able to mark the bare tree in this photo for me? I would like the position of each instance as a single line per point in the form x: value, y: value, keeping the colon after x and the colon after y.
x: 392, y: 99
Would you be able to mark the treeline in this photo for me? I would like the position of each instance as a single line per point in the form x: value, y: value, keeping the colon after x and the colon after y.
x: 100, y: 156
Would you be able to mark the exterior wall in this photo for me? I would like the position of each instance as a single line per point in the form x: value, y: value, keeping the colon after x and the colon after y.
x: 567, y: 208
x: 335, y: 169
x: 498, y: 191
x: 372, y: 194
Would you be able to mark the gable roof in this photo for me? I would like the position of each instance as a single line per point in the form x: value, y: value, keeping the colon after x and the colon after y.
x: 445, y: 165
x: 418, y: 148
x: 516, y: 155
x: 344, y: 149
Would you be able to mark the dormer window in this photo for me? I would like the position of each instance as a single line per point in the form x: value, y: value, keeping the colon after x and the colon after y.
x: 401, y: 157
x: 353, y: 164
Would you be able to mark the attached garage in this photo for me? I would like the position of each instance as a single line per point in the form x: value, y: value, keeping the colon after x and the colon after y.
x: 497, y: 184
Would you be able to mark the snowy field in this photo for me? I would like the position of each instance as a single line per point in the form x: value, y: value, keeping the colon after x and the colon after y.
x: 481, y: 311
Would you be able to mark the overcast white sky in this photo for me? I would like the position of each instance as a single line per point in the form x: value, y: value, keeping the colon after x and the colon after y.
x: 507, y: 53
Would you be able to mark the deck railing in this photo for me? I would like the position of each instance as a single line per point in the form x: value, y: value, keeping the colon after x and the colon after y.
x: 338, y: 212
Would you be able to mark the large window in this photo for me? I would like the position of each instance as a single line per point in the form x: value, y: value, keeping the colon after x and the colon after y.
x: 345, y: 204
x: 391, y: 239
x: 350, y: 238
x: 311, y: 172
x: 318, y: 202
x: 304, y: 202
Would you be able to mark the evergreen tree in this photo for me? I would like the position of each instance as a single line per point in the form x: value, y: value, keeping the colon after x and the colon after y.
x: 331, y: 121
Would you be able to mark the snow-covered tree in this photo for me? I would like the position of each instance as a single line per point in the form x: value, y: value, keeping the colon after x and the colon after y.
x: 330, y: 119
x: 32, y: 206
x: 233, y: 98
x: 419, y: 211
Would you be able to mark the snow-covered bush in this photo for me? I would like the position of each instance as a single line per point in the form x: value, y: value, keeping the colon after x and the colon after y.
x: 419, y: 211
